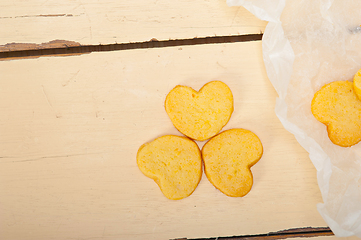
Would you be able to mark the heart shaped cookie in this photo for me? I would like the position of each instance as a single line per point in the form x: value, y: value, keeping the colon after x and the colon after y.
x: 174, y: 163
x: 337, y: 106
x: 200, y: 115
x: 228, y: 158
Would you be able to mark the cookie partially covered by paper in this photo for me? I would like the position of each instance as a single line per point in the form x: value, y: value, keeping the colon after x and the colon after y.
x: 337, y: 106
x: 200, y: 115
x: 357, y: 84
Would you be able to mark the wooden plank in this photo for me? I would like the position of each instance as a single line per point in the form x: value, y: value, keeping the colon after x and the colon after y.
x: 93, y: 22
x: 71, y: 126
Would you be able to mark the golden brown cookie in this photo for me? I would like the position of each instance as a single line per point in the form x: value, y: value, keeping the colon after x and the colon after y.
x: 200, y: 115
x: 174, y: 163
x: 357, y: 83
x: 337, y: 106
x: 228, y: 158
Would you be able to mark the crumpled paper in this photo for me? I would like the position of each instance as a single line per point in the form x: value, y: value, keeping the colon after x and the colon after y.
x: 306, y: 45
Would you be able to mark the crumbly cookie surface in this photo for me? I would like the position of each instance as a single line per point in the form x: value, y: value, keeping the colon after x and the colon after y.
x: 337, y: 106
x: 200, y: 115
x: 174, y: 163
x: 228, y: 158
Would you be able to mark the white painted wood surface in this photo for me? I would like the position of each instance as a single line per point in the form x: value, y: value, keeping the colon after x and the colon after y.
x: 328, y: 238
x: 121, y: 21
x: 71, y: 126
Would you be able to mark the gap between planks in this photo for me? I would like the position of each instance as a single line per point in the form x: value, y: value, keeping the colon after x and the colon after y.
x: 65, y: 48
x: 307, y: 232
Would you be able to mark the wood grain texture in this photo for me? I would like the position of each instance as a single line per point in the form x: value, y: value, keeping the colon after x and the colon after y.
x: 71, y: 126
x: 11, y: 47
x: 106, y: 22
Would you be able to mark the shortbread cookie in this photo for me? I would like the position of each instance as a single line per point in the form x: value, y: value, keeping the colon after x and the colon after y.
x: 228, y: 158
x: 174, y: 163
x: 357, y: 83
x: 337, y: 106
x: 200, y: 115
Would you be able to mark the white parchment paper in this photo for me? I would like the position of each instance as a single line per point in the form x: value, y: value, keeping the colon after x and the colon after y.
x: 307, y: 44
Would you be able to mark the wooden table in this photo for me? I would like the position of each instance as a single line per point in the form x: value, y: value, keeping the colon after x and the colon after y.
x: 82, y: 86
